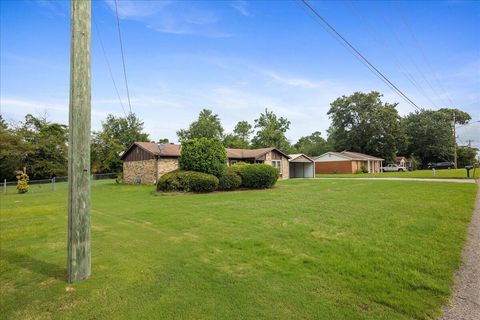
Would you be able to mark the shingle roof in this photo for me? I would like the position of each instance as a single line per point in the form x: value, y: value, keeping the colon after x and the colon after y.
x: 174, y: 150
x: 297, y: 155
x: 352, y: 155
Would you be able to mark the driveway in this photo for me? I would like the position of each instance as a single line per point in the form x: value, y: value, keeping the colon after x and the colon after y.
x: 465, y: 301
x: 406, y: 179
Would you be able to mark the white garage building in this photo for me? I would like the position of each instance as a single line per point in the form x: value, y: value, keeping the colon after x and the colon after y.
x: 301, y: 166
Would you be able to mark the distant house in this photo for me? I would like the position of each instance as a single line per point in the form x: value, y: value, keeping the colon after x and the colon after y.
x: 404, y: 162
x: 347, y: 162
x: 301, y: 166
x: 145, y: 162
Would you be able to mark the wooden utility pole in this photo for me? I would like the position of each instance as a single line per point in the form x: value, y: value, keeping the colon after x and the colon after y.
x: 454, y: 141
x: 78, y: 263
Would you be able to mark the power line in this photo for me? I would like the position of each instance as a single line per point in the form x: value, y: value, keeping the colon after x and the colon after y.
x: 424, y: 56
x: 108, y: 64
x: 123, y: 56
x: 309, y: 13
x: 365, y: 60
x: 389, y: 51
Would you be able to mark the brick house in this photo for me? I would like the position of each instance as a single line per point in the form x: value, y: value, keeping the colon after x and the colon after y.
x: 145, y: 162
x: 347, y: 162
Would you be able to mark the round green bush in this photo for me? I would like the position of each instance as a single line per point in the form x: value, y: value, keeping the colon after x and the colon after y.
x: 203, y: 155
x: 258, y: 176
x: 185, y: 181
x: 230, y: 180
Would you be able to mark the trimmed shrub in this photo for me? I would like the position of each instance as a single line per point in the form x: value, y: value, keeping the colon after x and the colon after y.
x: 230, y: 180
x: 203, y: 155
x: 258, y: 176
x: 22, y: 181
x: 185, y: 181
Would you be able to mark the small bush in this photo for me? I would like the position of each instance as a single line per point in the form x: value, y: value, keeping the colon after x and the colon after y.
x: 258, y: 176
x: 230, y: 180
x: 203, y: 155
x: 22, y: 183
x: 185, y: 181
x: 364, y: 169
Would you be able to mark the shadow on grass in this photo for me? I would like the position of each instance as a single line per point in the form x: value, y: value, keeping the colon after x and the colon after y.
x: 38, y: 266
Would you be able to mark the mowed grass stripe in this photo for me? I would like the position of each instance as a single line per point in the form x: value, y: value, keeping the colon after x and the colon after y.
x: 305, y: 249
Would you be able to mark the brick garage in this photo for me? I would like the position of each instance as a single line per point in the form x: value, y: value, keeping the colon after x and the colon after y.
x: 347, y: 162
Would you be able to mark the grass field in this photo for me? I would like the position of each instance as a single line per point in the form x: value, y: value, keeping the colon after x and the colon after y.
x: 439, y: 174
x: 310, y: 249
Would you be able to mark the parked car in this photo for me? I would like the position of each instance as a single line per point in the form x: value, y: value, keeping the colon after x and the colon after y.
x: 442, y: 165
x: 393, y: 168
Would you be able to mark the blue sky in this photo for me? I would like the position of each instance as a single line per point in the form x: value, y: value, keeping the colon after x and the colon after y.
x: 239, y: 57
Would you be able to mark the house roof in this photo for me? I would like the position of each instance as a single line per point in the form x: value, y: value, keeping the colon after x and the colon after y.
x: 250, y: 153
x: 298, y: 155
x: 174, y: 150
x: 351, y: 155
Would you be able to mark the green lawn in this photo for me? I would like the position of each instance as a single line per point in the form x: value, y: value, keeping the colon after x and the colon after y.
x: 446, y: 174
x: 314, y: 249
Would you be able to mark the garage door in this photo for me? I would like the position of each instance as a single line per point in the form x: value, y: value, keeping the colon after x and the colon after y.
x: 301, y: 170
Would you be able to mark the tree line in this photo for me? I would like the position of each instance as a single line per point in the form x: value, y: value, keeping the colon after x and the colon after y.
x: 361, y: 122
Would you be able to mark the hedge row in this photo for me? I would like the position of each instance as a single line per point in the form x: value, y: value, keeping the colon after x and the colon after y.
x: 249, y: 176
x: 180, y: 180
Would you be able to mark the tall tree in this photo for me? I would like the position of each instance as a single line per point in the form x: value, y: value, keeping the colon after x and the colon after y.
x: 312, y: 145
x: 240, y: 138
x: 117, y: 134
x: 430, y: 136
x: 47, y: 147
x: 271, y: 131
x: 363, y: 123
x: 207, y: 125
x: 461, y: 117
x: 13, y: 151
x: 466, y: 156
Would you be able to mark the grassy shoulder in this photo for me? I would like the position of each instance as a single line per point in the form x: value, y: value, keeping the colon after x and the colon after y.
x: 305, y: 249
x: 439, y: 174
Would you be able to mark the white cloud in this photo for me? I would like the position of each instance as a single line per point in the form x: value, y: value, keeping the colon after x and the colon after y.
x: 172, y: 17
x: 241, y: 6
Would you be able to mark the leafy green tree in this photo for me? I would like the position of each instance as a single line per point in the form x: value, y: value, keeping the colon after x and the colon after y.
x: 46, y: 153
x: 116, y: 136
x: 430, y: 136
x: 461, y: 117
x: 13, y: 151
x: 240, y: 138
x: 466, y: 156
x: 312, y: 145
x: 206, y: 126
x: 271, y: 132
x: 203, y: 155
x: 363, y: 123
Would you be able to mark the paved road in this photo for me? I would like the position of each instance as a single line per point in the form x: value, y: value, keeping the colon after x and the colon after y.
x: 407, y: 179
x: 465, y: 301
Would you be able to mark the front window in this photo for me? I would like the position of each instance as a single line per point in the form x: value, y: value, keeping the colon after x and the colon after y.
x: 277, y: 164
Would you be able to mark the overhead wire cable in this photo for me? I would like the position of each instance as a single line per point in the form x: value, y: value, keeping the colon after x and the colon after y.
x: 360, y: 55
x: 389, y: 51
x: 123, y: 56
x: 97, y: 29
x: 309, y: 13
x: 425, y: 58
x: 412, y: 60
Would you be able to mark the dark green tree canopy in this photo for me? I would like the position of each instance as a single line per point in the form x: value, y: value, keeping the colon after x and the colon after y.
x: 206, y: 126
x: 240, y: 138
x: 117, y: 134
x: 203, y: 155
x: 271, y: 131
x: 46, y: 153
x: 461, y: 117
x: 363, y: 123
x: 312, y: 145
